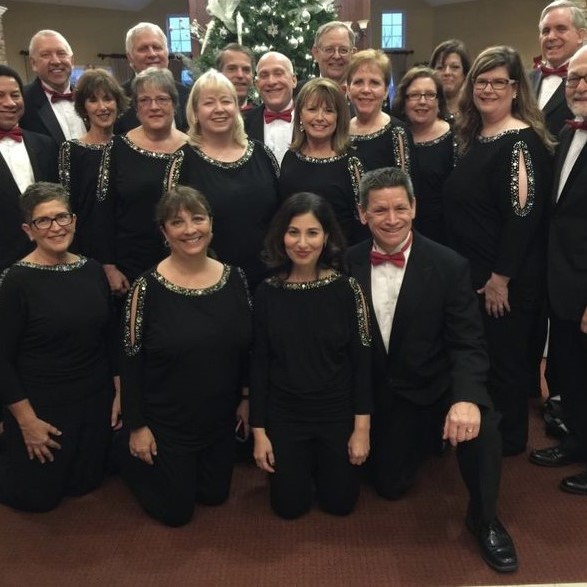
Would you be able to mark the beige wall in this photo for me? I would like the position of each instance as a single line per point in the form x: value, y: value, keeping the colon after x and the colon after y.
x: 479, y: 24
x: 89, y: 31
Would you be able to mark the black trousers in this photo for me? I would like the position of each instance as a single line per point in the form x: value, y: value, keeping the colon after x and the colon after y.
x: 512, y: 370
x: 179, y: 478
x: 307, y: 454
x: 78, y: 467
x: 404, y: 437
x: 567, y: 352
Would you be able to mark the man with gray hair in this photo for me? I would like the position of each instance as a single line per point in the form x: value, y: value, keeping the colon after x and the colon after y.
x: 334, y: 45
x: 562, y: 28
x: 49, y: 98
x: 272, y: 122
x: 146, y: 46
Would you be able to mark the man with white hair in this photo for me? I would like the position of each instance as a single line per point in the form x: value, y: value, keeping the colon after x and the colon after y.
x: 49, y: 98
x: 146, y: 46
x: 272, y: 122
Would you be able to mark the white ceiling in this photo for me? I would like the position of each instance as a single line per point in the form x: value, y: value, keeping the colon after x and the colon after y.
x: 108, y: 4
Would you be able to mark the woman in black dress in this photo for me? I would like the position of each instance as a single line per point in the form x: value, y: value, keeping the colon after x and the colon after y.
x: 99, y: 100
x: 321, y: 159
x: 494, y: 207
x: 310, y: 381
x: 237, y: 174
x: 419, y: 100
x: 381, y: 140
x: 187, y: 334
x: 56, y: 390
x: 137, y: 169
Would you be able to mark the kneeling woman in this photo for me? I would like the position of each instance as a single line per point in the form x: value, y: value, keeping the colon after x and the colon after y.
x: 310, y: 381
x: 57, y: 388
x: 187, y: 337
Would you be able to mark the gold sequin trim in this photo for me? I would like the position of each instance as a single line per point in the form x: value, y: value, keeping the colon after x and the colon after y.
x: 278, y: 282
x: 65, y: 160
x: 61, y: 268
x: 356, y: 171
x: 232, y: 164
x: 362, y: 312
x: 194, y: 292
x: 134, y: 331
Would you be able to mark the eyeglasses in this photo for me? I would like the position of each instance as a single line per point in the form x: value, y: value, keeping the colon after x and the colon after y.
x: 417, y: 96
x: 496, y: 84
x: 145, y: 102
x: 573, y: 81
x: 45, y: 222
x: 330, y: 51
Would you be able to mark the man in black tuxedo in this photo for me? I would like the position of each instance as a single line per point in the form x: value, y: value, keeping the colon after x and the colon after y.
x: 25, y: 157
x: 429, y: 359
x: 146, y: 46
x: 49, y: 97
x: 272, y: 122
x: 567, y: 281
x: 561, y: 32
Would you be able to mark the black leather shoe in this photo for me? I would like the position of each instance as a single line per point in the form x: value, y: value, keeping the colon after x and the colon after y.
x: 496, y: 546
x: 555, y: 456
x: 575, y: 484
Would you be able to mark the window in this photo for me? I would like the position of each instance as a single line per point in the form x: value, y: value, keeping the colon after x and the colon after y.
x: 392, y: 30
x: 178, y: 33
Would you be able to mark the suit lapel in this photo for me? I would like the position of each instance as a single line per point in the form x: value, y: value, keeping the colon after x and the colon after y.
x: 555, y: 100
x: 579, y: 165
x: 535, y: 79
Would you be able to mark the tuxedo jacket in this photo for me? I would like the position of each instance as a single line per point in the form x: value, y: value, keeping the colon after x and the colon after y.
x: 556, y: 110
x: 42, y: 151
x: 567, y: 243
x: 129, y: 119
x: 436, y: 345
x: 254, y: 124
x: 38, y: 113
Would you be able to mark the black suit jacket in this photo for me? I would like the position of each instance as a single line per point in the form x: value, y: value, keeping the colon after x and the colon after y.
x: 38, y: 113
x: 129, y: 120
x: 254, y: 124
x: 555, y: 110
x: 42, y: 151
x: 567, y: 243
x: 436, y: 345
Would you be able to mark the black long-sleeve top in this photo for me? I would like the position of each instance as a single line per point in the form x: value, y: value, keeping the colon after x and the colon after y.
x: 311, y: 352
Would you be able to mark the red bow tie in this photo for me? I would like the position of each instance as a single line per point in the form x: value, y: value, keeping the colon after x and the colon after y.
x: 58, y: 96
x: 560, y: 71
x: 269, y: 116
x: 14, y: 133
x: 577, y: 124
x: 398, y: 259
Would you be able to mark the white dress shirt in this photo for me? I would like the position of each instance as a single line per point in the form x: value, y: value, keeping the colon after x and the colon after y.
x: 548, y: 87
x: 386, y: 283
x: 575, y: 148
x: 71, y: 124
x: 277, y: 135
x: 17, y: 159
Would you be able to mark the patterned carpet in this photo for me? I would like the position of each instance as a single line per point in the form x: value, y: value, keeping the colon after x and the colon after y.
x: 105, y: 539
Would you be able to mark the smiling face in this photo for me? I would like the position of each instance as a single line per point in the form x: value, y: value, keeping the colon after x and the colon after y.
x: 559, y: 38
x: 449, y: 69
x: 51, y: 59
x: 11, y: 103
x: 333, y: 54
x: 318, y: 120
x: 304, y: 241
x: 389, y: 215
x: 148, y: 50
x: 577, y: 97
x: 101, y: 110
x: 420, y: 106
x: 493, y: 105
x: 367, y: 90
x: 155, y: 108
x: 275, y: 81
x: 188, y: 233
x: 54, y: 241
x: 215, y: 111
x: 237, y: 67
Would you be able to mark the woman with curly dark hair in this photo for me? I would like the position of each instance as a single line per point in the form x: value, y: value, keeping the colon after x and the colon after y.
x: 310, y: 381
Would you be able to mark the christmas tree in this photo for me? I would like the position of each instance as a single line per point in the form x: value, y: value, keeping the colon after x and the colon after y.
x: 287, y: 26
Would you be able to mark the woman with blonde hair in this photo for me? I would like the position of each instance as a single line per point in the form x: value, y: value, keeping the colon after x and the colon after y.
x: 321, y: 159
x: 237, y: 174
x: 494, y: 207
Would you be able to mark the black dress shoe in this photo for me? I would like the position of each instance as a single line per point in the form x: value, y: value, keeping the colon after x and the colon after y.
x: 555, y: 456
x: 575, y: 484
x: 496, y: 545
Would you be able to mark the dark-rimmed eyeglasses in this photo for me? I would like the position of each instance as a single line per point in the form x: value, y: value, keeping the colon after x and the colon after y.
x: 497, y: 84
x: 573, y: 81
x: 417, y: 96
x: 45, y: 222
